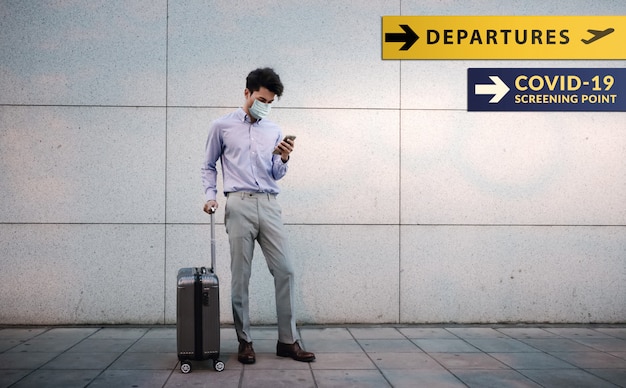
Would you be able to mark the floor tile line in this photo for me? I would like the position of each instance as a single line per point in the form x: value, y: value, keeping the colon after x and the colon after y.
x: 116, y: 358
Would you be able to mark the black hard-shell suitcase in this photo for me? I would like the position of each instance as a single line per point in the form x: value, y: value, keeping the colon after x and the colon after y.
x: 198, y: 313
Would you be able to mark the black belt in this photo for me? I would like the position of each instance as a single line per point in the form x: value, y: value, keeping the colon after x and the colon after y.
x: 249, y: 194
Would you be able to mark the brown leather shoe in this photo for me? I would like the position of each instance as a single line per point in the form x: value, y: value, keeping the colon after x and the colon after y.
x: 246, y: 353
x: 294, y: 351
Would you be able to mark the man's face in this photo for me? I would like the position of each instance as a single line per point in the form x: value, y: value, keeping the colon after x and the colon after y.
x: 263, y: 95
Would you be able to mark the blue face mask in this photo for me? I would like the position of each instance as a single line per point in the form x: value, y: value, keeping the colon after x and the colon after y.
x: 259, y: 110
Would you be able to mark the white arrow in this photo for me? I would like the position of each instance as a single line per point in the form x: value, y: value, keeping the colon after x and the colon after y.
x: 498, y: 89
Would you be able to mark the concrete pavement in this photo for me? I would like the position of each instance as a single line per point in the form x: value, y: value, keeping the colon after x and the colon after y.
x: 347, y: 356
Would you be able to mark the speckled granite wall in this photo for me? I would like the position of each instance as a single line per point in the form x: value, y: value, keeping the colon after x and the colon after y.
x: 400, y: 205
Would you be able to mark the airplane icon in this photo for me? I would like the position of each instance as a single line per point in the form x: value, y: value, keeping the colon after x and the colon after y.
x: 597, y: 34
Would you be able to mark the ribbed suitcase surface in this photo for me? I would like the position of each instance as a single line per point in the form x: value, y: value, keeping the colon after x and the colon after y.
x: 198, y: 313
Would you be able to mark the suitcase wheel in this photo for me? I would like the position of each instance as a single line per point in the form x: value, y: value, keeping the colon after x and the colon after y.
x: 218, y: 365
x: 185, y: 367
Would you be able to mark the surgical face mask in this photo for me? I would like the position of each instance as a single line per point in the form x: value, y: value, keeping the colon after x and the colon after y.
x: 259, y: 110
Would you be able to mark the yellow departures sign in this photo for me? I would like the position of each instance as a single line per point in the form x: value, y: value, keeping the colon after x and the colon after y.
x: 504, y: 37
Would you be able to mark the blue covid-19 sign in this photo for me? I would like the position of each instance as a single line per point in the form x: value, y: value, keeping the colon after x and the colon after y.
x: 546, y: 89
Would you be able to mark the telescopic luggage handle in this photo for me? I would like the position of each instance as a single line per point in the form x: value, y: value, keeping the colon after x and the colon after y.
x: 212, y: 240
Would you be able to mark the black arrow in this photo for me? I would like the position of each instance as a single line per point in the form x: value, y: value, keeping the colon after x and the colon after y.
x: 408, y: 38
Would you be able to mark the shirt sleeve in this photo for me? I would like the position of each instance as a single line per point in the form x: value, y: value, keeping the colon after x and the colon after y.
x: 212, y: 152
x: 279, y: 168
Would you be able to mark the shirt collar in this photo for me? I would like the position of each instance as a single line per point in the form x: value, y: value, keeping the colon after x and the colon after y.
x: 244, y: 117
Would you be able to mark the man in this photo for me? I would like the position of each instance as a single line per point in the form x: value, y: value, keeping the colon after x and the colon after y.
x: 254, y: 157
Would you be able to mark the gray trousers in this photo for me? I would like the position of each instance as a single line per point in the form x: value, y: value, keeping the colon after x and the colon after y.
x: 250, y: 217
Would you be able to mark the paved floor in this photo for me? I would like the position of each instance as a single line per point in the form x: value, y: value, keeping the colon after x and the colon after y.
x: 352, y: 356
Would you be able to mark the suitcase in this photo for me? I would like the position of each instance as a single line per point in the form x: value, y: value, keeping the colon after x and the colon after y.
x: 198, y: 313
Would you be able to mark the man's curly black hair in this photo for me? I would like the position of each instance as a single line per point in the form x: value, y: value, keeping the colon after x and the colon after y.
x: 264, y: 77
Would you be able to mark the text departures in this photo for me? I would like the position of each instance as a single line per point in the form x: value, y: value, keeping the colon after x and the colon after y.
x: 503, y: 37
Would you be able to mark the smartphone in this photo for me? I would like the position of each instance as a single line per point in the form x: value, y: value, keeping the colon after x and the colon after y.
x: 288, y: 137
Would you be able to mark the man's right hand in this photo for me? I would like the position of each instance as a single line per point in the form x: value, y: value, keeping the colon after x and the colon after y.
x: 210, y: 206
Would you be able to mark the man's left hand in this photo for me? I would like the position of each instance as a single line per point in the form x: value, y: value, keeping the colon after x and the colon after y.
x: 285, y: 147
